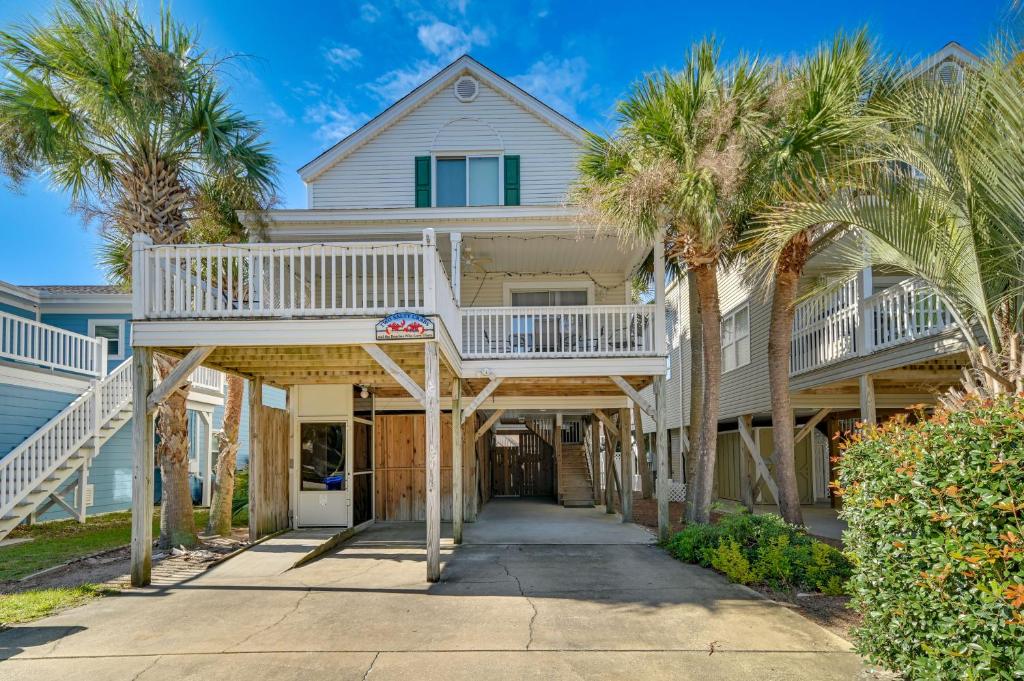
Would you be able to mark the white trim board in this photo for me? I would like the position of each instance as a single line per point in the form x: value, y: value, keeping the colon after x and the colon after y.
x: 122, y: 337
x: 41, y: 379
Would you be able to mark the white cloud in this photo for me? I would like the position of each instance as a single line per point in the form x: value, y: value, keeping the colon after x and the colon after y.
x: 557, y: 83
x: 334, y: 120
x: 369, y: 13
x: 343, y: 56
x: 448, y: 42
x: 458, y: 5
x: 277, y: 113
x: 399, y: 82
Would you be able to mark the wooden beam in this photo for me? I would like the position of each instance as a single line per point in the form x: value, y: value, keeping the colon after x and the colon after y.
x: 432, y: 395
x: 143, y: 462
x: 486, y: 426
x: 556, y: 436
x: 256, y: 484
x: 178, y: 376
x: 661, y: 448
x: 65, y: 505
x: 609, y: 463
x: 208, y: 466
x: 747, y: 483
x: 809, y: 426
x: 762, y: 469
x: 479, y: 399
x: 626, y: 490
x: 634, y: 395
x: 643, y: 468
x: 595, y: 458
x: 384, y: 359
x: 608, y: 425
x: 457, y: 502
x: 868, y: 413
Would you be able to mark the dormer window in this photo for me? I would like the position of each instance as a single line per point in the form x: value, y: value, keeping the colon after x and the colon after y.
x: 467, y: 181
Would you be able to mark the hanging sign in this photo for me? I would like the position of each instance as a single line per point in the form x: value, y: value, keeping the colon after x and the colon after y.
x: 405, y: 326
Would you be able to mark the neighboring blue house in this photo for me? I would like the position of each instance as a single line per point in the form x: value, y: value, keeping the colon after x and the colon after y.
x: 65, y: 405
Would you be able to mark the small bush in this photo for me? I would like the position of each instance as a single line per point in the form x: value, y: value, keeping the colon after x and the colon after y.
x: 935, y: 528
x: 763, y: 549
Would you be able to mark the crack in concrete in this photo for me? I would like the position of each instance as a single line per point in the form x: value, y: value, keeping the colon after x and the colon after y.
x: 307, y: 594
x: 370, y: 668
x: 147, y: 668
x: 519, y: 585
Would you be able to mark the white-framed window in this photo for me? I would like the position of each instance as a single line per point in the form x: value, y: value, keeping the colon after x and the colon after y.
x: 113, y: 331
x: 736, y: 338
x: 467, y: 180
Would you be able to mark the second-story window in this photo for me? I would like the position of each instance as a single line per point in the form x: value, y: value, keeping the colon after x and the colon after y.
x: 736, y: 338
x: 467, y: 181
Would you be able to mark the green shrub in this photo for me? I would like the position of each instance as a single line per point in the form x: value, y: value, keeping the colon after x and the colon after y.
x: 728, y: 559
x: 935, y: 530
x: 763, y: 549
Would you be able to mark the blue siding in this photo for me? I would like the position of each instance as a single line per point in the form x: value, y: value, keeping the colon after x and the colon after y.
x: 24, y: 410
x: 79, y: 323
x: 29, y: 313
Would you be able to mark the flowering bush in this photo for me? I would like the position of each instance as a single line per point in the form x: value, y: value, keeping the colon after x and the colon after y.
x: 935, y: 529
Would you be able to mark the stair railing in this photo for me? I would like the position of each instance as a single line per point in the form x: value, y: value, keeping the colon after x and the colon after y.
x: 47, y: 449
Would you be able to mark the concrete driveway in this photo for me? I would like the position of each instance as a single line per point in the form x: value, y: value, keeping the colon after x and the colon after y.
x: 560, y: 607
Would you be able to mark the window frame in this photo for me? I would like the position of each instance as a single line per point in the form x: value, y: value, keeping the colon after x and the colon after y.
x: 466, y: 155
x: 119, y: 323
x: 533, y: 286
x: 731, y: 315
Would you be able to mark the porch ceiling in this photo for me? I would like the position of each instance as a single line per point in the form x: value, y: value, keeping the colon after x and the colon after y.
x: 917, y: 382
x: 350, y: 364
x: 558, y: 252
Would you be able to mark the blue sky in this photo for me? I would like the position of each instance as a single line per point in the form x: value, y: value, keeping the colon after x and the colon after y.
x: 315, y: 71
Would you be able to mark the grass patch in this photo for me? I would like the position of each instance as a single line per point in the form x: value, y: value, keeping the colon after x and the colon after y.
x: 31, y: 605
x: 58, y: 542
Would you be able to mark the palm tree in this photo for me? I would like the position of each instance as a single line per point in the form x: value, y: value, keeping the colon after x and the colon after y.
x: 674, y: 175
x: 822, y: 116
x: 941, y: 197
x: 129, y: 120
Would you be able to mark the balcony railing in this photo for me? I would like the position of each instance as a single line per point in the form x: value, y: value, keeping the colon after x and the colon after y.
x: 29, y: 341
x: 207, y: 379
x: 571, y: 331
x: 841, y: 323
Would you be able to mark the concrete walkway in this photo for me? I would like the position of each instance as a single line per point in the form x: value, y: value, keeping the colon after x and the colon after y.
x: 565, y: 609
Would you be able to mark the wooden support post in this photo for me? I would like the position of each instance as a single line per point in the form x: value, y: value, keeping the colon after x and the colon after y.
x: 868, y: 414
x: 456, y: 267
x: 432, y: 393
x: 83, y: 483
x: 626, y: 478
x: 256, y: 482
x: 556, y: 437
x: 208, y: 467
x: 613, y: 431
x: 609, y: 467
x: 457, y: 459
x: 643, y: 467
x: 747, y: 481
x: 143, y: 463
x: 595, y: 458
x: 661, y: 447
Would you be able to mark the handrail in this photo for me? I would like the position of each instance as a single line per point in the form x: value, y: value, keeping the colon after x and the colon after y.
x: 43, y: 452
x: 841, y: 323
x: 553, y: 331
x: 26, y: 340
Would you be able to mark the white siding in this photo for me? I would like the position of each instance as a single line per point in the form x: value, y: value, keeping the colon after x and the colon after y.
x: 746, y: 390
x: 380, y: 173
x: 479, y: 291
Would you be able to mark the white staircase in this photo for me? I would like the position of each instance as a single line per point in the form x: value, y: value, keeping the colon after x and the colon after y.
x: 33, y: 473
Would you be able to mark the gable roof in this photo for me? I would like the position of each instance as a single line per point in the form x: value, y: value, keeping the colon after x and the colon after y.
x: 390, y: 115
x: 951, y: 50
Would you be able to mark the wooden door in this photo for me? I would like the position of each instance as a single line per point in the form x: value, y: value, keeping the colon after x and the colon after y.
x: 523, y: 471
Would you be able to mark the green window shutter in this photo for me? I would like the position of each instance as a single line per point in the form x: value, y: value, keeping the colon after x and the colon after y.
x: 511, y: 180
x: 423, y: 182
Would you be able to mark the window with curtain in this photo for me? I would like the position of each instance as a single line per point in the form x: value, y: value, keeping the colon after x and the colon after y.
x: 546, y: 298
x: 736, y: 339
x: 467, y: 181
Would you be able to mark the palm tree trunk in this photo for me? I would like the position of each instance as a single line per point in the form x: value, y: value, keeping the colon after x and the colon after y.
x: 177, y: 523
x: 224, y: 490
x: 706, y: 276
x: 696, y: 390
x: 779, y: 340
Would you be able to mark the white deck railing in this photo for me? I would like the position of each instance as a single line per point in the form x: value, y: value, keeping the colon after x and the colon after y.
x: 43, y: 452
x: 841, y: 323
x: 207, y: 379
x: 26, y: 340
x: 571, y: 331
x: 281, y: 280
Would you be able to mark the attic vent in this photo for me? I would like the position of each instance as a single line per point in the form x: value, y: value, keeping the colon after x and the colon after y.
x: 949, y: 73
x: 466, y: 89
